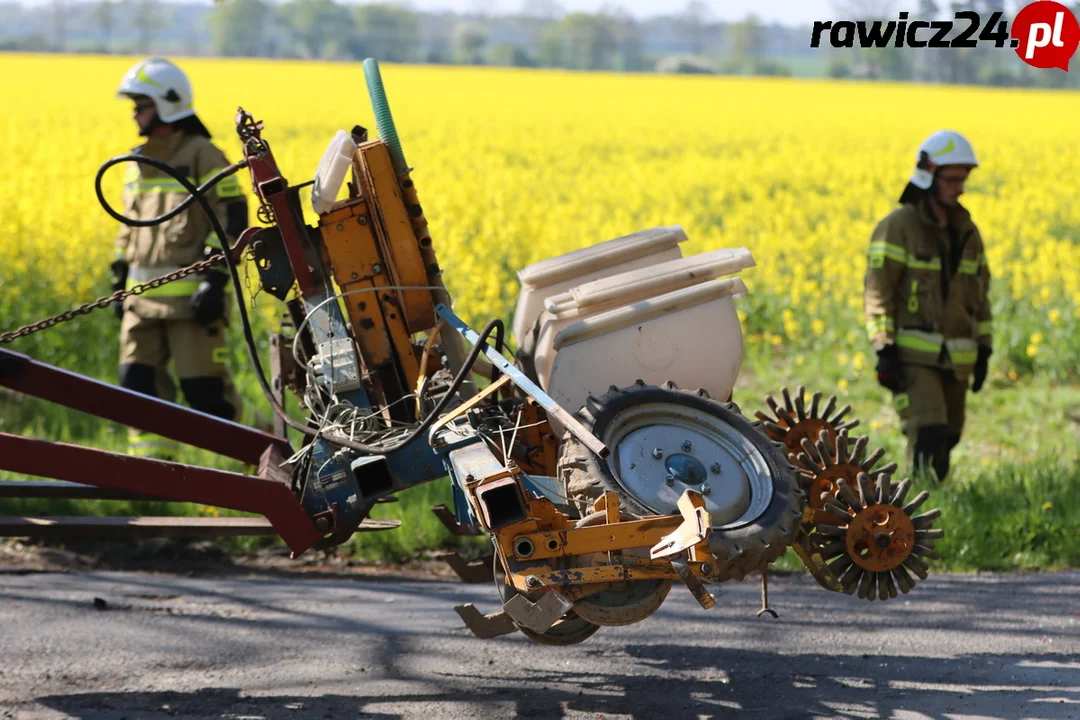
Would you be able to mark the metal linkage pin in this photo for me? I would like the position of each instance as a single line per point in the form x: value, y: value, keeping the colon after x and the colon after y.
x: 765, y: 594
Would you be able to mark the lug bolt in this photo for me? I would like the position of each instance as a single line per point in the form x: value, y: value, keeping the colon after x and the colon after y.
x: 705, y: 489
x: 686, y: 446
x: 706, y: 569
x: 376, y: 268
x: 715, y: 469
x: 532, y: 581
x: 657, y: 453
x: 669, y: 480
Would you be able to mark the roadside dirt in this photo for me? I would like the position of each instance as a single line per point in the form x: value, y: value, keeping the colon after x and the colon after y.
x: 205, y: 558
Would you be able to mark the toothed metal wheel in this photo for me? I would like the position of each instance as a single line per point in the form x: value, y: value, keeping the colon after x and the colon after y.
x: 664, y: 440
x: 876, y: 545
x: 822, y: 464
x: 794, y: 421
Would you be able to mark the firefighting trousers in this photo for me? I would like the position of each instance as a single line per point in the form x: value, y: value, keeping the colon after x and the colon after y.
x: 198, y: 354
x: 931, y: 410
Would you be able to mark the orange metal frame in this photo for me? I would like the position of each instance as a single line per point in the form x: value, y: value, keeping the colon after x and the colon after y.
x: 551, y: 535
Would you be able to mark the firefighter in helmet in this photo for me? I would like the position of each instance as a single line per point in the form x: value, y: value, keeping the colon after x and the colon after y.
x: 926, y: 300
x: 185, y: 320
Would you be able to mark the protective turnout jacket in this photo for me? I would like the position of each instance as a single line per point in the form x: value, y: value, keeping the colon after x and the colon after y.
x: 927, y: 288
x: 155, y: 251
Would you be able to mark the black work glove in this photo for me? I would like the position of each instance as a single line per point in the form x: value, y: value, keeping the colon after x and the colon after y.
x: 208, y: 302
x: 119, y: 270
x: 982, y: 364
x: 889, y: 373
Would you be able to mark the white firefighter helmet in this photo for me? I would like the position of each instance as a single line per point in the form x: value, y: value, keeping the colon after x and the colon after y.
x: 162, y: 82
x: 945, y: 147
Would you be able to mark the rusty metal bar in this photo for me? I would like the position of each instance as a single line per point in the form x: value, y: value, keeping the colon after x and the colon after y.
x: 59, y: 490
x: 132, y: 527
x: 148, y: 527
x: 166, y: 480
x: 450, y: 522
x: 472, y: 572
x: 25, y: 375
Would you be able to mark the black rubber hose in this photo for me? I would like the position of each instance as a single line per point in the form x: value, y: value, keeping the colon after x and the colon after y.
x: 198, y: 196
x: 132, y: 222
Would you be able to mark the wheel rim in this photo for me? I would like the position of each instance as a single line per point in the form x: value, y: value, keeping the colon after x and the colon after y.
x: 697, y: 450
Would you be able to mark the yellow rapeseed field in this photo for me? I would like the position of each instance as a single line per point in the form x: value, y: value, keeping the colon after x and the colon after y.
x: 514, y: 165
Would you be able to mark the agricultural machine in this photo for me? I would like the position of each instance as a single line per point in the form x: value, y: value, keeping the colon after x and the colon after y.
x: 606, y: 460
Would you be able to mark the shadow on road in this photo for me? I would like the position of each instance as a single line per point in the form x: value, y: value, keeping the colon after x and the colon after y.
x: 716, y: 683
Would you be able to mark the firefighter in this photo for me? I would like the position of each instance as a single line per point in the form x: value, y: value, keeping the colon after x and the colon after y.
x: 926, y: 300
x: 184, y: 320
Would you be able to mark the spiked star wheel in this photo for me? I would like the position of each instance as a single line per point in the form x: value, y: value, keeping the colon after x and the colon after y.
x: 822, y: 464
x: 794, y: 421
x: 876, y: 544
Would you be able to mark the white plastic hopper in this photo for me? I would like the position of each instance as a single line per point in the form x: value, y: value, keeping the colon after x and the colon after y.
x: 558, y: 274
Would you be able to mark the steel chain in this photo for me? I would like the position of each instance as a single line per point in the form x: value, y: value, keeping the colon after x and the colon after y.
x: 119, y: 295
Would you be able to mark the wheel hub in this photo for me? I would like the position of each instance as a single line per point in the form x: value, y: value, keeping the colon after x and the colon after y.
x: 686, y: 469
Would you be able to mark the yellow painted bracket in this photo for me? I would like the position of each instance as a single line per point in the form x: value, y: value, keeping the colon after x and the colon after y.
x: 694, y: 530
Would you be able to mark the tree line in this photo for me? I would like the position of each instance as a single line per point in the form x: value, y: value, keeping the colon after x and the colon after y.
x: 687, y: 40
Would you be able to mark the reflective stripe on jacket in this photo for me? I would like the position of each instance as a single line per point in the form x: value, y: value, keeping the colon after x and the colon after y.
x: 155, y: 251
x: 935, y: 313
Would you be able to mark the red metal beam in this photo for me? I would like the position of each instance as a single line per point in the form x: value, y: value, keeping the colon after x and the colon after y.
x: 272, y: 187
x: 149, y: 414
x: 166, y: 480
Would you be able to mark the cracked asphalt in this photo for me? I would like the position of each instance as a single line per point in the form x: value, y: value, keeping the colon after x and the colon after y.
x: 141, y: 645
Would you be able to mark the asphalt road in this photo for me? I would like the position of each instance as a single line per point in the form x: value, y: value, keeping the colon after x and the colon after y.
x: 958, y: 647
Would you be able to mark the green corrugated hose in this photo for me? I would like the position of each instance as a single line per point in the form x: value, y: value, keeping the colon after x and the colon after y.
x: 384, y: 121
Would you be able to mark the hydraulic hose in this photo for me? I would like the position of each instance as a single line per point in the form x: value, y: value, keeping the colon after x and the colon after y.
x: 197, y: 195
x: 132, y: 222
x: 384, y: 121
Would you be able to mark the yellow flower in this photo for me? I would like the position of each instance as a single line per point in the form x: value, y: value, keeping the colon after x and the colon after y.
x: 1036, y: 338
x: 842, y: 358
x: 1047, y: 505
x: 516, y: 194
x: 876, y: 424
x: 1032, y: 350
x: 842, y: 384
